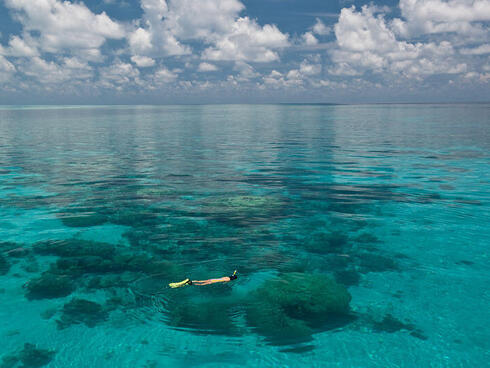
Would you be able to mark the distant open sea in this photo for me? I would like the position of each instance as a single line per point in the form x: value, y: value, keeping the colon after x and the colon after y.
x: 360, y: 233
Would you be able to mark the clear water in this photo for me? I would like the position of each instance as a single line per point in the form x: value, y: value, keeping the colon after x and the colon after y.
x: 392, y: 201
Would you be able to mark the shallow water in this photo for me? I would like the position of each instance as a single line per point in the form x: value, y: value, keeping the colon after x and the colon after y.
x: 391, y: 201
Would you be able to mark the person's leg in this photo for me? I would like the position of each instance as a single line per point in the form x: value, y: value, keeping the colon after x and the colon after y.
x: 201, y: 282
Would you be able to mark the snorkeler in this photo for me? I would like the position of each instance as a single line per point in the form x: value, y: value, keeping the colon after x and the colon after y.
x: 203, y: 282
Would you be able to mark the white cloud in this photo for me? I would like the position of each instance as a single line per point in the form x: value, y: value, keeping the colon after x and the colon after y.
x: 202, y: 19
x: 63, y: 26
x: 366, y: 42
x: 164, y: 76
x: 206, y: 67
x: 53, y: 73
x: 7, y: 69
x: 480, y: 50
x: 118, y: 76
x: 74, y: 63
x: 5, y: 65
x: 306, y: 74
x: 247, y: 41
x: 216, y: 23
x: 309, y: 39
x: 277, y: 80
x: 19, y: 48
x: 245, y: 72
x: 320, y: 28
x: 439, y: 16
x: 308, y: 69
x: 142, y: 61
x: 154, y: 38
x: 363, y: 31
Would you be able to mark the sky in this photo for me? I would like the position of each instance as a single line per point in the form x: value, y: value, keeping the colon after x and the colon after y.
x: 248, y: 51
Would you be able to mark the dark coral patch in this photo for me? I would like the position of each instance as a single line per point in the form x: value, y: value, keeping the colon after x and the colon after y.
x: 82, y: 219
x: 272, y: 322
x: 466, y: 263
x: 136, y: 216
x: 77, y: 266
x: 366, y: 238
x: 49, y: 286
x: 302, y: 349
x: 4, y: 265
x: 289, y: 308
x: 335, y: 241
x: 369, y: 262
x: 206, y: 317
x: 82, y: 311
x: 12, y: 249
x: 391, y: 324
x: 74, y: 248
x: 32, y: 357
x: 347, y: 277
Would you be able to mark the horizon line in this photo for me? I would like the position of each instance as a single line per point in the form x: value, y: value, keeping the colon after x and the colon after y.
x: 252, y: 103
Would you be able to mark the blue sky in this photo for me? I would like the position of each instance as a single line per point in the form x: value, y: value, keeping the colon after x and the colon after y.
x: 255, y: 51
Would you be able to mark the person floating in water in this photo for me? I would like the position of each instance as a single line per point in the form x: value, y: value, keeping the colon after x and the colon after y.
x: 203, y: 282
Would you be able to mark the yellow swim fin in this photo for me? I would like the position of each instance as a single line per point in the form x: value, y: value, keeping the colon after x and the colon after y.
x: 179, y: 284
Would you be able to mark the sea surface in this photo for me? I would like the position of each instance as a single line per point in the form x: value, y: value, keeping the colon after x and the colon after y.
x: 360, y: 235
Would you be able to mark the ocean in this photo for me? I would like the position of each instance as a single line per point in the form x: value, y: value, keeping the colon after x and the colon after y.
x: 360, y: 235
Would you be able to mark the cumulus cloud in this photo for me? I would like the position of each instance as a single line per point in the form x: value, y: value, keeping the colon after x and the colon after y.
x: 206, y: 67
x: 154, y: 38
x: 5, y: 65
x: 53, y: 73
x: 142, y: 61
x: 216, y: 23
x: 320, y: 28
x: 164, y: 76
x: 306, y: 74
x: 62, y: 40
x: 309, y: 39
x: 118, y: 76
x: 202, y: 19
x: 19, y: 48
x: 367, y: 42
x: 61, y: 25
x: 245, y: 72
x: 480, y: 50
x: 247, y: 41
x: 440, y: 16
x: 7, y: 69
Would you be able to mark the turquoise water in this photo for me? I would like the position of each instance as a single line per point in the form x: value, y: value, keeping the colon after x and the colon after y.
x: 102, y: 207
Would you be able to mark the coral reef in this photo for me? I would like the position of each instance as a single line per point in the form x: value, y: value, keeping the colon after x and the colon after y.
x: 347, y: 277
x: 30, y: 357
x: 82, y: 219
x: 244, y: 210
x: 74, y: 248
x: 4, y: 265
x: 49, y: 286
x: 82, y: 311
x: 292, y: 305
x: 391, y: 324
x: 369, y: 262
x: 203, y: 317
x: 331, y: 242
x: 366, y: 238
